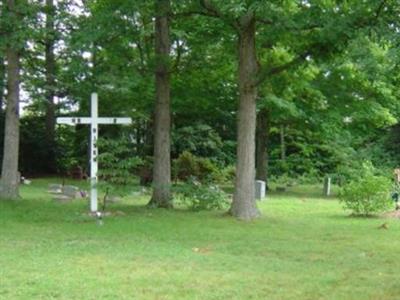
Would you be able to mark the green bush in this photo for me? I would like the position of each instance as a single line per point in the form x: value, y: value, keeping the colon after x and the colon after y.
x: 198, y: 196
x: 188, y: 165
x: 116, y: 166
x: 228, y: 174
x: 367, y: 195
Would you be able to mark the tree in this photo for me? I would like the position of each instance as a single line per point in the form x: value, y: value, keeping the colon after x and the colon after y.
x: 302, y: 31
x: 162, y: 115
x: 9, y: 174
x: 262, y: 135
x: 50, y: 71
x: 2, y: 81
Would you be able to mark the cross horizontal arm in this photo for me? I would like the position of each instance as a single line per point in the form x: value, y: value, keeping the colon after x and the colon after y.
x: 88, y: 120
x: 114, y: 121
x: 73, y: 121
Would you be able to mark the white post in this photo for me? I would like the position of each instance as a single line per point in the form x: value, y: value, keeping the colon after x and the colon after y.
x: 93, y: 153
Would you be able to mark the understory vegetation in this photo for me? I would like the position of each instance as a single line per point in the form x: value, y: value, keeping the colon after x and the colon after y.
x: 368, y: 194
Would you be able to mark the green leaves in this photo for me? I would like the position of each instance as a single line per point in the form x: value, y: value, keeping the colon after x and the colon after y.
x: 117, y: 163
x: 369, y: 194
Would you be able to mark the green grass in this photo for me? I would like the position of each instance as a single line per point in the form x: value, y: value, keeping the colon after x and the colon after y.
x: 302, y: 248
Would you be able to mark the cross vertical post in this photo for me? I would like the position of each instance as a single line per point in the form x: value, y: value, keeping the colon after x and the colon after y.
x: 93, y: 153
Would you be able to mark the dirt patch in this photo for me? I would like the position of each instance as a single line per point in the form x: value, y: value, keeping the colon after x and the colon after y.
x: 393, y: 214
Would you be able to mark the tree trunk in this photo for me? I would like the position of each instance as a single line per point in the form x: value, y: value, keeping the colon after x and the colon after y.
x: 262, y: 135
x: 9, y: 174
x: 50, y: 66
x: 162, y: 121
x: 244, y: 204
x: 2, y: 80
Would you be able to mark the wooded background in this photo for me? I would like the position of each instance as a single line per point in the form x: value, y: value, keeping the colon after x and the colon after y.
x: 321, y: 76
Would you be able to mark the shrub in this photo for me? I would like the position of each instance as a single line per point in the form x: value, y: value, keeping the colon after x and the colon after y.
x: 117, y: 165
x: 367, y: 195
x: 198, y: 196
x: 228, y: 174
x: 145, y: 171
x: 188, y: 165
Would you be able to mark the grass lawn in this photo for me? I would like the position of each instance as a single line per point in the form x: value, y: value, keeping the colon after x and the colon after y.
x: 303, y: 247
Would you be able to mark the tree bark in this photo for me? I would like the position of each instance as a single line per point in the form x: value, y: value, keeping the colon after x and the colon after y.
x: 162, y: 122
x: 50, y: 66
x: 262, y: 135
x: 9, y: 184
x: 2, y: 80
x: 244, y: 204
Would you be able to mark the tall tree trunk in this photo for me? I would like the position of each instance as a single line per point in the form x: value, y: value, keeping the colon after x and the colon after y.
x: 244, y: 204
x: 9, y: 183
x: 2, y: 81
x: 162, y: 121
x: 50, y: 66
x: 262, y: 135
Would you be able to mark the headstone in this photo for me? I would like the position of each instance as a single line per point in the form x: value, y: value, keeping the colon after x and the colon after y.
x: 327, y: 186
x: 112, y: 199
x: 71, y: 191
x: 61, y: 198
x: 25, y: 181
x: 55, y: 188
x: 260, y: 189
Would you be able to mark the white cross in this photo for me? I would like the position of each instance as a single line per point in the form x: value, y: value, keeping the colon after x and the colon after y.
x: 94, y: 121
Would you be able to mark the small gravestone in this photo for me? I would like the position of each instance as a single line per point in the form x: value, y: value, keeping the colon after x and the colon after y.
x: 61, y: 198
x: 71, y: 191
x: 55, y: 188
x: 112, y: 199
x: 327, y: 186
x: 260, y: 189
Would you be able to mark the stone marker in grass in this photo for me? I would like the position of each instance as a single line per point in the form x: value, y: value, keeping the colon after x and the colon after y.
x: 260, y: 189
x: 55, y: 188
x: 66, y: 192
x: 71, y: 191
x: 327, y: 186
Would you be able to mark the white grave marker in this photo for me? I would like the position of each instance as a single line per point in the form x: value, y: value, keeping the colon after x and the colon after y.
x: 327, y: 186
x: 94, y: 121
x: 260, y: 189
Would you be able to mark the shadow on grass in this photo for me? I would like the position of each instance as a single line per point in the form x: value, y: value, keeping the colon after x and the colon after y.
x: 355, y: 217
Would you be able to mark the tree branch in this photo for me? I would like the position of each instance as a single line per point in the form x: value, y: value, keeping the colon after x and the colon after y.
x: 264, y: 72
x: 212, y: 11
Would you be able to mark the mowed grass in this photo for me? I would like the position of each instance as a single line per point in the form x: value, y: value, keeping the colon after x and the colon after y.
x: 302, y: 248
